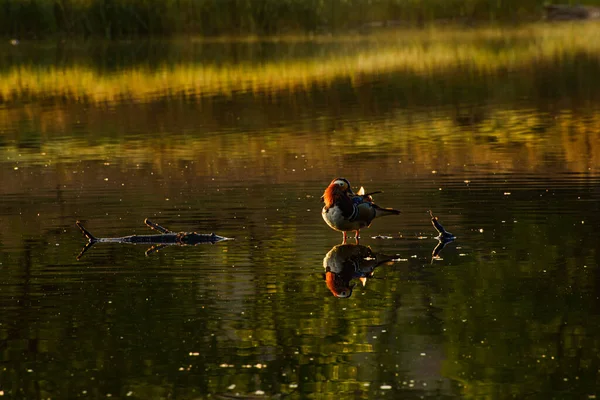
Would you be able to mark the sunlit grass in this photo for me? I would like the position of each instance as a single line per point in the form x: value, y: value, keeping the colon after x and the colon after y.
x: 482, y: 51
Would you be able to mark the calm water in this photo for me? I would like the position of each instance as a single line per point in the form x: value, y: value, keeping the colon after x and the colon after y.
x: 508, y: 162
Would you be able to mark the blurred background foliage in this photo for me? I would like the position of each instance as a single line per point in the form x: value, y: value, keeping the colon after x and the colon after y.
x: 125, y: 18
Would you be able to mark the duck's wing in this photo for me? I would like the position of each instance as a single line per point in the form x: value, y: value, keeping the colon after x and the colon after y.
x: 363, y: 211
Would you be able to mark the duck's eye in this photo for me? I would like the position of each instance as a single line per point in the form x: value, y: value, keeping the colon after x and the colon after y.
x: 341, y: 183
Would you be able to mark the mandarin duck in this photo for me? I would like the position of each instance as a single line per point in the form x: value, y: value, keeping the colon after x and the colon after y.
x: 346, y: 262
x: 346, y: 211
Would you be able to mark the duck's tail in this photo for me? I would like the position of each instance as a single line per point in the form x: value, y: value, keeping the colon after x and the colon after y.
x: 383, y: 212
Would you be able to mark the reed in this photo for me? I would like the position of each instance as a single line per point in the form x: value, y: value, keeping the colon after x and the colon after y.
x: 434, y: 53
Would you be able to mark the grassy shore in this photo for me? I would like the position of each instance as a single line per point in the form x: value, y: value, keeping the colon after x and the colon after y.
x: 425, y: 53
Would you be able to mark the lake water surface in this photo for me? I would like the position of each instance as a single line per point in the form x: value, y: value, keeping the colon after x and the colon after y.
x: 507, y: 157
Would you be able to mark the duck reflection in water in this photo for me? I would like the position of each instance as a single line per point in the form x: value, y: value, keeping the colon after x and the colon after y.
x: 346, y: 262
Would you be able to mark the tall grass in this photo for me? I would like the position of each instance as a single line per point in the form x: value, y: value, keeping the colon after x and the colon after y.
x: 121, y: 18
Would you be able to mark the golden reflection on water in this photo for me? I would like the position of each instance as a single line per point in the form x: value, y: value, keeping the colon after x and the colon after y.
x: 506, y: 140
x: 481, y: 51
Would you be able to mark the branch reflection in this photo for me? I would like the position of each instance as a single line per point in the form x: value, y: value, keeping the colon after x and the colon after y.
x: 442, y: 242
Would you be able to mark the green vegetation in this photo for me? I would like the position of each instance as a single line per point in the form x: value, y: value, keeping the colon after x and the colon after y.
x: 124, y: 18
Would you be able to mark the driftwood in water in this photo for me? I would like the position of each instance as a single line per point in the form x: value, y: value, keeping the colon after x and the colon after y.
x: 444, y: 237
x: 166, y: 238
x: 567, y: 12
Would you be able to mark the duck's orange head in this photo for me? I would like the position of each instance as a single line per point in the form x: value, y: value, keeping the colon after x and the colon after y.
x: 337, y: 188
